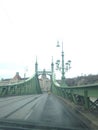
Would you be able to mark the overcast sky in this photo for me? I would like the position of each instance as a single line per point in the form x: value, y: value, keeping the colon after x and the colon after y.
x: 30, y: 28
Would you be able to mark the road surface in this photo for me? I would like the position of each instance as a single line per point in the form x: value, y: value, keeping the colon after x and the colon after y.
x: 44, y: 109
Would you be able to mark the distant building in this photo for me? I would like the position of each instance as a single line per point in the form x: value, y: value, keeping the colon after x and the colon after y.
x: 16, y: 79
x: 45, y: 83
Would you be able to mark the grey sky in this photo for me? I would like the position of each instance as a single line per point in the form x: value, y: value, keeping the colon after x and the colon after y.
x: 30, y: 28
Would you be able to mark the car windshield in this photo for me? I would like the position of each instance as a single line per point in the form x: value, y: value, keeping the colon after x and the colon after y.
x: 48, y: 69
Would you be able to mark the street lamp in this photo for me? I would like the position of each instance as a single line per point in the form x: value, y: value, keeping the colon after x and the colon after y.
x: 64, y: 67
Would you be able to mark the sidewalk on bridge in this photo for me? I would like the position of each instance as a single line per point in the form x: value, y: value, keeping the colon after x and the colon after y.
x: 91, y: 117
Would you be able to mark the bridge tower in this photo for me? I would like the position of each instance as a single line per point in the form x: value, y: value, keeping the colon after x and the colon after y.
x: 36, y: 67
x: 52, y: 66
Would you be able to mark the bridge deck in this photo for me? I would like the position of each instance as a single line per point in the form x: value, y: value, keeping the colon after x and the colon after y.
x: 48, y: 110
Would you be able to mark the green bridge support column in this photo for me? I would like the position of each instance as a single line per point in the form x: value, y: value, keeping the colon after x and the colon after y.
x: 86, y: 99
x: 73, y: 97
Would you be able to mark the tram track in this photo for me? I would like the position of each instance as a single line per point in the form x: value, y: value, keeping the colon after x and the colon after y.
x: 42, y: 110
x: 12, y: 100
x: 9, y: 108
x: 25, y: 110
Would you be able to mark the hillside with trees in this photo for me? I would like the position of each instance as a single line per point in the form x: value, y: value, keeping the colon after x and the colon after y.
x: 81, y: 80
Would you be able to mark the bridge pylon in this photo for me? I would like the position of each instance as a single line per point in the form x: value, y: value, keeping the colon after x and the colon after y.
x: 52, y: 66
x: 36, y: 67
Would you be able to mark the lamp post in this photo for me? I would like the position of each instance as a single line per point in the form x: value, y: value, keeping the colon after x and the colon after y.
x: 63, y: 68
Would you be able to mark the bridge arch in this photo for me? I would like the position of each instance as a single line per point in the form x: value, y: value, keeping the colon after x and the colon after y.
x: 45, y: 82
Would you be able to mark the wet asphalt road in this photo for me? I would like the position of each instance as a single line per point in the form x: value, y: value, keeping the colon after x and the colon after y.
x: 48, y: 110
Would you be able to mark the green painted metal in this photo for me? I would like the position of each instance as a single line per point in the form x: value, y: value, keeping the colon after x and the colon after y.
x: 92, y: 90
x: 93, y: 105
x: 86, y: 99
x: 63, y: 67
x: 52, y: 66
x: 29, y: 86
x: 76, y: 92
x: 36, y: 67
x: 55, y: 89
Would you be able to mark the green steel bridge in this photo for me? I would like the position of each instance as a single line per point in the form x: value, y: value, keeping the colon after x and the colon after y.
x: 26, y: 101
x: 77, y: 94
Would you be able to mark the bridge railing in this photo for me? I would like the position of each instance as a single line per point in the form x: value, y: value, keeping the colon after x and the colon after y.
x: 77, y: 94
x: 29, y: 86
